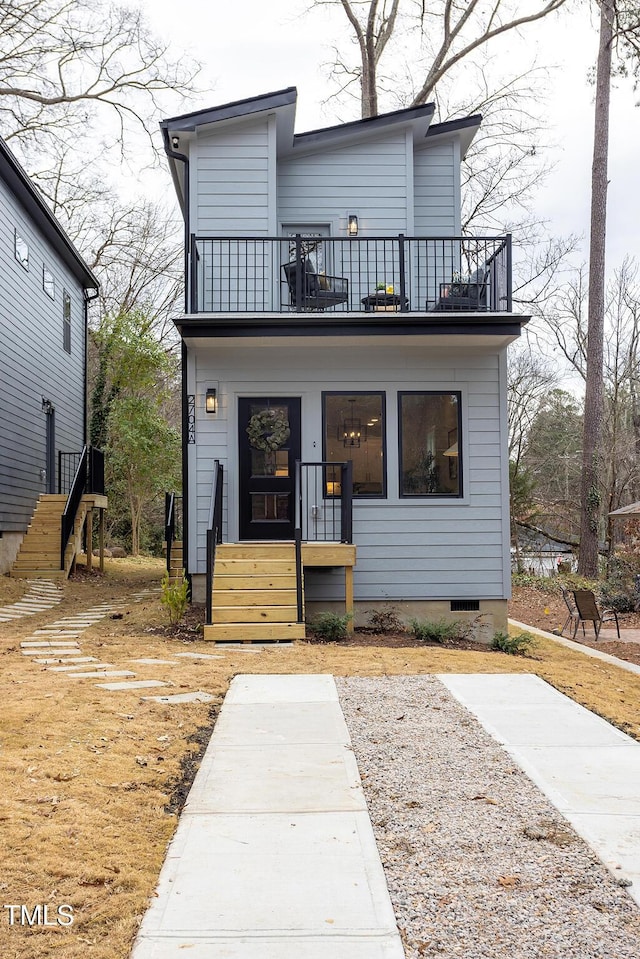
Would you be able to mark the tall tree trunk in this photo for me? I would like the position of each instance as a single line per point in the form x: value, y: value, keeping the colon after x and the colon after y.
x: 593, y: 401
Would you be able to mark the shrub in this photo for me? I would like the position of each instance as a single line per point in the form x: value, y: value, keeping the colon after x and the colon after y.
x: 175, y: 596
x: 385, y: 620
x: 439, y: 631
x: 519, y: 644
x: 330, y: 626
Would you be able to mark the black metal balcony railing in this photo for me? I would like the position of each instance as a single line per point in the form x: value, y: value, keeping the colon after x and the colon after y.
x: 311, y: 273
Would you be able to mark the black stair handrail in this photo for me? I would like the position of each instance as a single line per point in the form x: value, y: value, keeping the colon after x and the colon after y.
x: 78, y: 487
x: 214, y: 534
x: 345, y: 498
x: 169, y: 524
x: 297, y: 536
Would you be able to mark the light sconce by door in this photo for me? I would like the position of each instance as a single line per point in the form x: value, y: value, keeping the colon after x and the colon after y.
x: 211, y: 401
x: 352, y: 224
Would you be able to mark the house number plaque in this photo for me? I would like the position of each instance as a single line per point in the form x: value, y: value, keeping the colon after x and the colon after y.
x: 191, y: 418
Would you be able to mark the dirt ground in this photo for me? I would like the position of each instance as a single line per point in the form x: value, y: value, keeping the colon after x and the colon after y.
x: 91, y: 781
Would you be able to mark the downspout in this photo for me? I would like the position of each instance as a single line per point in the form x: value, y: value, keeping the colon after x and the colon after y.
x: 85, y: 421
x: 174, y: 155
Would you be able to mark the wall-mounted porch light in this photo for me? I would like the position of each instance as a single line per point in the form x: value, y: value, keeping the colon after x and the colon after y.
x: 352, y: 224
x: 211, y: 401
x: 175, y: 142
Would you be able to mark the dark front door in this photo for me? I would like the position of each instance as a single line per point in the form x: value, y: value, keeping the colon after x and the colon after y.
x: 269, y: 445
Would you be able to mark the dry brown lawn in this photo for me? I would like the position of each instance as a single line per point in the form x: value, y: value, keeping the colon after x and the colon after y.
x: 87, y: 776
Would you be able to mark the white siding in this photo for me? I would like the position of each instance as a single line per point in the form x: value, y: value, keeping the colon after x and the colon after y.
x: 443, y: 549
x: 434, y: 173
x: 230, y: 174
x: 34, y: 364
x: 366, y: 178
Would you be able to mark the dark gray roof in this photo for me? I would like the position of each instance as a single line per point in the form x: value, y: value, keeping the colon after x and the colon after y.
x: 228, y: 111
x: 29, y: 197
x: 188, y: 122
x: 364, y: 126
x: 452, y: 126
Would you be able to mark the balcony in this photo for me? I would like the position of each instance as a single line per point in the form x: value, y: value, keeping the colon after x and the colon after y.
x: 302, y: 274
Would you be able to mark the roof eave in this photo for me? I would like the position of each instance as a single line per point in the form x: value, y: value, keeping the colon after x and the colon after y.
x: 29, y: 197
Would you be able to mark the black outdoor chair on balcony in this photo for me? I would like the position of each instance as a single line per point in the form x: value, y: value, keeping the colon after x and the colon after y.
x: 465, y: 296
x: 317, y: 291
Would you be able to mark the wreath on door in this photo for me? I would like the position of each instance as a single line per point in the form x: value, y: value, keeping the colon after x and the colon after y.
x: 268, y: 430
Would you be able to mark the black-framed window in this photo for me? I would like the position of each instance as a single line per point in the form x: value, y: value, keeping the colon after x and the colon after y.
x: 429, y: 428
x: 21, y: 250
x: 66, y: 321
x: 354, y: 429
x: 48, y: 283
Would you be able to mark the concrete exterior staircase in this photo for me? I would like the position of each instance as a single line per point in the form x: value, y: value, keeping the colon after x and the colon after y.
x: 254, y: 593
x: 39, y: 553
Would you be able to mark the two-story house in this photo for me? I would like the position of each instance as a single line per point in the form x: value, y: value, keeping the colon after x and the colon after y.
x: 45, y: 287
x: 344, y: 370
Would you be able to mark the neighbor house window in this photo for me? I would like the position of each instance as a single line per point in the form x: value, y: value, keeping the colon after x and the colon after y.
x: 354, y: 429
x: 66, y: 321
x: 48, y: 283
x: 21, y: 251
x: 430, y: 460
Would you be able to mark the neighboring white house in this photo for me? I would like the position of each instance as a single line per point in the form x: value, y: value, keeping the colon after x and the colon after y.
x: 334, y: 314
x: 44, y: 290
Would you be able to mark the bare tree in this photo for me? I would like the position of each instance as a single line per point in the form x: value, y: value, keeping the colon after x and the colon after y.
x: 137, y: 255
x: 593, y: 402
x: 70, y: 67
x: 530, y: 378
x: 450, y: 31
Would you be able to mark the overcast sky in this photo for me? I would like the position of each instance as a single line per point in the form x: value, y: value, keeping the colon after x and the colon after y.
x: 255, y: 46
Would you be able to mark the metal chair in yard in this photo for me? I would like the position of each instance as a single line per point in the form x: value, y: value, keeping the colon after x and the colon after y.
x: 573, y: 616
x: 588, y: 612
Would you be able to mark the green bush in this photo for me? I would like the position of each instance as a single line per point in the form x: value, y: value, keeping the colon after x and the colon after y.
x: 518, y: 644
x: 330, y: 626
x: 438, y: 631
x: 175, y: 596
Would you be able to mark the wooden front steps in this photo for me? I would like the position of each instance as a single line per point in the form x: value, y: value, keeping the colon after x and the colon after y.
x: 176, y: 562
x: 254, y: 593
x: 39, y: 553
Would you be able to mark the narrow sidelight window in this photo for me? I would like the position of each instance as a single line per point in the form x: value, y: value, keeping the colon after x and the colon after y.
x: 48, y: 283
x: 21, y: 250
x: 66, y: 321
x: 354, y: 429
x: 430, y: 449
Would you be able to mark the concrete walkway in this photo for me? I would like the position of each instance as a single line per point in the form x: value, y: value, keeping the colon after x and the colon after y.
x: 274, y: 856
x: 587, y: 768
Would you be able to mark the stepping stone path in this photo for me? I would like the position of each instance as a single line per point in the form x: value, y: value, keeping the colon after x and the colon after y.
x: 41, y: 595
x: 57, y: 647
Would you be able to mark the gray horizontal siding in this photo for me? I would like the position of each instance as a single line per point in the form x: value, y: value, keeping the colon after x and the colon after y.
x: 34, y: 363
x: 407, y: 549
x: 230, y: 171
x: 368, y: 178
x: 435, y: 177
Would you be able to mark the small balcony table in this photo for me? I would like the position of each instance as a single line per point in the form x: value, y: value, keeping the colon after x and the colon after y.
x: 381, y: 302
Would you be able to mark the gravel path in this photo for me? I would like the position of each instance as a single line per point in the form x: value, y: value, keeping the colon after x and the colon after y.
x: 478, y: 863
